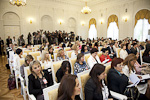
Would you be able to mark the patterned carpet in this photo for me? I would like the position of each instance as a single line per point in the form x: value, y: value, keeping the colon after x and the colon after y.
x: 5, y: 93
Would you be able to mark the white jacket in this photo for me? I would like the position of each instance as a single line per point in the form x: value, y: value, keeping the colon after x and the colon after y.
x: 91, y: 61
x: 123, y: 54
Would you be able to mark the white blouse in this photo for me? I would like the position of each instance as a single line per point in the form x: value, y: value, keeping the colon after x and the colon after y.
x: 91, y: 61
x: 123, y: 54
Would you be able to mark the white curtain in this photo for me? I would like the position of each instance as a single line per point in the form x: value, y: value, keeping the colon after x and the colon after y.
x: 92, y: 32
x: 113, y: 31
x: 141, y: 30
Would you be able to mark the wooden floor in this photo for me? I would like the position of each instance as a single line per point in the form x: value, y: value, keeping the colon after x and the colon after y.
x: 5, y: 93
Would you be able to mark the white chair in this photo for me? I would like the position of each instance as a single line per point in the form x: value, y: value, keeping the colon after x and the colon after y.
x: 86, y: 56
x: 69, y: 53
x: 27, y: 73
x: 55, y: 66
x: 55, y: 56
x: 72, y: 62
x: 35, y: 54
x: 51, y: 93
x: 118, y: 52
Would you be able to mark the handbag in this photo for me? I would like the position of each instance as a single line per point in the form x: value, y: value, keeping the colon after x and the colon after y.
x: 132, y: 93
x: 11, y: 82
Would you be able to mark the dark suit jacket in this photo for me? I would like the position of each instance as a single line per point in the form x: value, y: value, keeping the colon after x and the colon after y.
x: 35, y: 85
x: 134, y: 51
x: 91, y: 92
x: 8, y: 41
x: 110, y: 50
x: 116, y: 82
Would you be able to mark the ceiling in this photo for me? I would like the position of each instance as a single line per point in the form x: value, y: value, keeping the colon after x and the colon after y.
x: 81, y: 2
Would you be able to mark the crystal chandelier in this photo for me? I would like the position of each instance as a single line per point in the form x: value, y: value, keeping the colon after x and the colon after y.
x: 18, y: 2
x: 86, y: 9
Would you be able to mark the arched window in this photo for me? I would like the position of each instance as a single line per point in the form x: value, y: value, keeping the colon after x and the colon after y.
x: 92, y: 29
x: 113, y: 27
x: 142, y: 25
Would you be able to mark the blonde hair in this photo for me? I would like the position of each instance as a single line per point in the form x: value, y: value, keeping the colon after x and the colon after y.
x: 74, y: 47
x: 43, y: 57
x: 59, y: 52
x: 128, y: 60
x: 35, y: 62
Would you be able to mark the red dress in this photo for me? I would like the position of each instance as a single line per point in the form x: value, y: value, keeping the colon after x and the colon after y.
x: 102, y: 58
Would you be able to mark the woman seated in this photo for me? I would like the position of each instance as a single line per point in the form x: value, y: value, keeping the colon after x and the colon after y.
x: 84, y: 49
x: 64, y: 69
x: 45, y: 60
x: 123, y: 53
x: 38, y: 80
x: 146, y: 56
x: 75, y: 52
x: 128, y: 48
x: 117, y: 81
x: 50, y: 49
x: 105, y: 57
x: 69, y: 88
x: 96, y: 45
x: 80, y: 64
x: 95, y: 88
x: 61, y: 55
x: 28, y: 59
x: 129, y: 69
x: 104, y: 46
x: 142, y: 46
x: 93, y: 59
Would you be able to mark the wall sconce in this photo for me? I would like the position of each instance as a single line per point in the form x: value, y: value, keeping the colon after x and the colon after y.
x: 30, y: 20
x: 125, y: 18
x: 101, y: 21
x: 60, y: 21
x: 82, y: 23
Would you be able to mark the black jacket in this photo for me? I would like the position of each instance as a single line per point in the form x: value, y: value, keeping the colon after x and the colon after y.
x: 59, y: 74
x: 91, y: 92
x: 35, y: 85
x: 116, y: 82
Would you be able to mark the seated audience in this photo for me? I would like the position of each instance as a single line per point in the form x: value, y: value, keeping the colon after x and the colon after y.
x: 61, y: 55
x: 69, y: 88
x: 80, y: 64
x: 134, y: 48
x: 78, y: 44
x: 84, y: 49
x: 123, y: 53
x: 38, y: 80
x: 111, y: 51
x: 115, y: 46
x: 28, y: 59
x: 105, y: 57
x: 142, y: 46
x: 96, y: 45
x: 93, y: 59
x: 75, y: 52
x: 45, y: 60
x: 64, y: 69
x: 117, y: 81
x: 95, y: 88
x: 128, y: 48
x: 69, y: 44
x: 146, y: 56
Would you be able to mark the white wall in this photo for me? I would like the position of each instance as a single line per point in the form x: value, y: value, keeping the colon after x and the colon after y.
x: 36, y: 9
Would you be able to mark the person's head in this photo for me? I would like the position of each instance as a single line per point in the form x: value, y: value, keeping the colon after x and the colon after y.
x: 23, y: 45
x: 146, y: 52
x: 45, y: 56
x: 128, y: 46
x: 96, y: 45
x: 130, y: 60
x: 105, y: 51
x: 134, y: 45
x: 66, y: 67
x: 77, y: 43
x: 117, y: 64
x: 123, y: 46
x: 8, y: 37
x: 111, y: 44
x: 35, y: 68
x: 28, y: 59
x: 60, y: 45
x: 75, y: 47
x: 50, y: 49
x: 19, y: 51
x: 142, y: 44
x: 84, y: 47
x: 69, y: 87
x: 94, y: 52
x: 60, y: 53
x: 104, y: 45
x: 13, y: 37
x: 97, y: 74
x: 80, y: 57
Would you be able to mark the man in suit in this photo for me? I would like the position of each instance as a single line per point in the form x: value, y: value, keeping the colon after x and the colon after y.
x: 111, y: 51
x: 8, y: 40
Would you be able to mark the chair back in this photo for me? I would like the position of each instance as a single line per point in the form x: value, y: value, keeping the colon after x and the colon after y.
x: 24, y: 55
x: 141, y: 55
x: 51, y: 93
x: 35, y: 54
x: 118, y: 52
x: 86, y: 56
x: 27, y: 51
x: 83, y: 78
x: 69, y: 53
x: 67, y: 49
x: 99, y: 54
x: 72, y: 61
x: 55, y: 66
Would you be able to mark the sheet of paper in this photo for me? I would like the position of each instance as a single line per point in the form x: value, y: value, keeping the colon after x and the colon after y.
x: 147, y: 76
x: 134, y: 79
